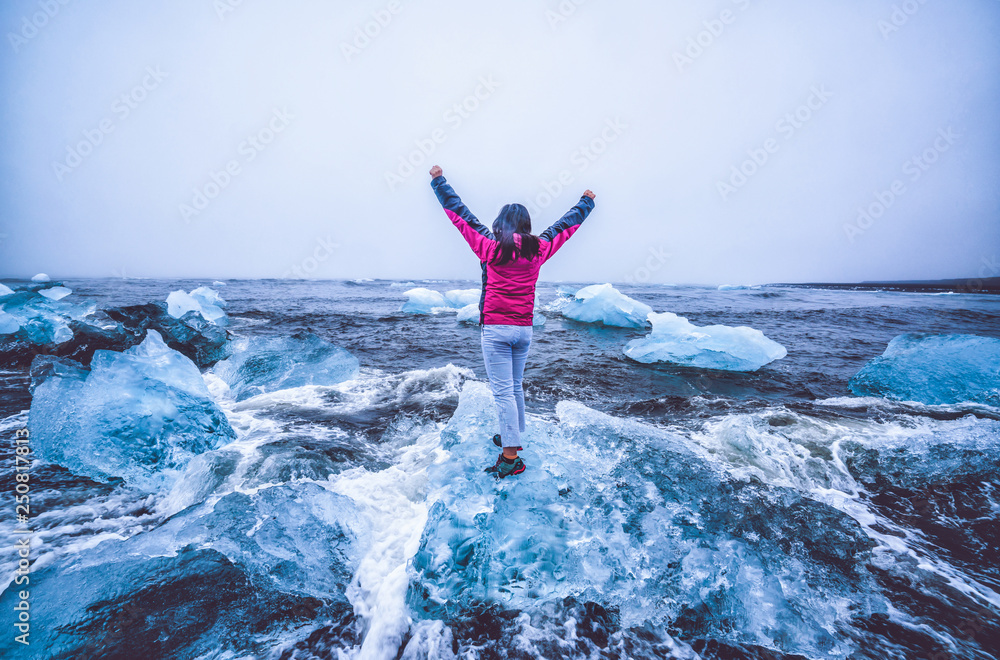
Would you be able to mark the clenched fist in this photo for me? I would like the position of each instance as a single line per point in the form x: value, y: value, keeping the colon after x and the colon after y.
x: 588, y: 193
x: 435, y: 172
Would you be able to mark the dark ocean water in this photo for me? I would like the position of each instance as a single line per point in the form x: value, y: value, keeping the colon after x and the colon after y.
x: 666, y: 512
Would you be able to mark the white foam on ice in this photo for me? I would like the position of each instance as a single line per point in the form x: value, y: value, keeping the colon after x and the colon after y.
x: 807, y: 454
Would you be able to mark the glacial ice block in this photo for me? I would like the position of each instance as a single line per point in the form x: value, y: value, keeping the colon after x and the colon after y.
x: 203, y: 300
x: 428, y: 301
x: 44, y: 318
x: 8, y: 324
x: 5, y: 290
x: 268, y: 364
x: 469, y: 314
x: 55, y: 292
x: 632, y: 515
x: 675, y: 339
x: 41, y: 277
x: 463, y: 297
x: 602, y: 303
x: 934, y: 369
x: 423, y: 301
x: 141, y: 414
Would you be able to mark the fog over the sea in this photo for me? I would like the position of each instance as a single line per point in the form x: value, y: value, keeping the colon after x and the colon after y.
x: 729, y: 141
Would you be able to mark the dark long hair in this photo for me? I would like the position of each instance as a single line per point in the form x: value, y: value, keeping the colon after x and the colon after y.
x: 514, y: 219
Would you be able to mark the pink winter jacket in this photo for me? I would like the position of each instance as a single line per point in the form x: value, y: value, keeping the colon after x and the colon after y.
x: 508, y: 294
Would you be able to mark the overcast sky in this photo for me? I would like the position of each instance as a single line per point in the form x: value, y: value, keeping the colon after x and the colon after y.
x: 731, y: 141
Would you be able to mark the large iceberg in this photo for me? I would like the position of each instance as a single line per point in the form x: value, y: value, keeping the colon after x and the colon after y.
x: 604, y: 304
x: 203, y: 300
x: 934, y: 369
x: 41, y: 277
x: 139, y: 415
x: 616, y: 514
x: 675, y: 339
x: 267, y: 364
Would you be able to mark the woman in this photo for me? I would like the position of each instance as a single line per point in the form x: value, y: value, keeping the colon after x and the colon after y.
x: 510, y: 257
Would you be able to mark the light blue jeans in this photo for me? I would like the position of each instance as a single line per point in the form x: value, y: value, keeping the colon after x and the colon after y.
x: 505, y: 350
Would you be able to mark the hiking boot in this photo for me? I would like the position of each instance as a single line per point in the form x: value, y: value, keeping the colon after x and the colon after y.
x: 502, y: 468
x: 499, y: 443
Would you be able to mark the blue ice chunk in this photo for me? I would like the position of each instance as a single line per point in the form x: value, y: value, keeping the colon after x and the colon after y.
x: 602, y: 303
x: 41, y: 277
x: 461, y: 297
x: 141, y: 414
x: 675, y: 339
x: 55, y: 292
x: 5, y: 290
x: 635, y: 517
x: 469, y: 314
x: 934, y: 369
x: 268, y: 364
x: 203, y: 300
x: 423, y: 301
x: 44, y: 318
x: 8, y: 324
x: 273, y: 555
x: 427, y: 301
